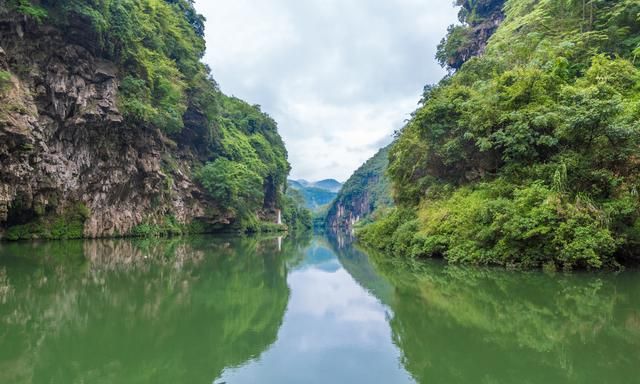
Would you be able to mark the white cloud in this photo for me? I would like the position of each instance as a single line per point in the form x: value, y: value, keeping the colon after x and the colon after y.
x: 338, y: 76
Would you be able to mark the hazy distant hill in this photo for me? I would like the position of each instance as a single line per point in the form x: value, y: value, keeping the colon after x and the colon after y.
x: 328, y: 184
x: 316, y: 194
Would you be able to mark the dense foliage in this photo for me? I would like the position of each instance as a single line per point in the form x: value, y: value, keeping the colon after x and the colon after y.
x: 26, y: 8
x: 251, y: 161
x: 294, y: 213
x: 528, y: 155
x: 158, y: 44
x: 234, y: 184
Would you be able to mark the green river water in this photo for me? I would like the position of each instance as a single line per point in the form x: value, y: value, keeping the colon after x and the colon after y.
x: 302, y: 310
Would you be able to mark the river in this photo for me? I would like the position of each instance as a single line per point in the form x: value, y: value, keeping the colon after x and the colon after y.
x: 310, y: 309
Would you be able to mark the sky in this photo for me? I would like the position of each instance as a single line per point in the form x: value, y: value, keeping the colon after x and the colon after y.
x: 339, y: 77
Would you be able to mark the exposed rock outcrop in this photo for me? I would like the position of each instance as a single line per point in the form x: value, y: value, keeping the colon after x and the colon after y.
x: 63, y: 141
x: 480, y: 19
x: 478, y: 37
x: 367, y: 190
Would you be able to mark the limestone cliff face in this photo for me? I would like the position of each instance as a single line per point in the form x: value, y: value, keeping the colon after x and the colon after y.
x: 64, y: 142
x: 480, y: 20
x: 478, y: 38
x: 345, y: 214
x: 367, y: 190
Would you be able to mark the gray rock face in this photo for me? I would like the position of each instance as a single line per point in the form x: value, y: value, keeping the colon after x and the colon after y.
x: 345, y: 216
x: 63, y: 141
x: 366, y: 191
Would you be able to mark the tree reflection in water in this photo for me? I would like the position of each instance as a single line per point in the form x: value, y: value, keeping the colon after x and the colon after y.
x: 190, y: 309
x: 462, y: 325
x: 163, y: 311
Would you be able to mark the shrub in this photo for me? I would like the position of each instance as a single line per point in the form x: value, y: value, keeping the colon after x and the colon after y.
x: 527, y: 227
x: 68, y: 225
x: 5, y: 80
x: 26, y: 8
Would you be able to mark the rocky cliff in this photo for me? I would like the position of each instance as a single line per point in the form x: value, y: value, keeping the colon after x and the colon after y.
x: 367, y: 190
x: 480, y: 19
x: 71, y: 161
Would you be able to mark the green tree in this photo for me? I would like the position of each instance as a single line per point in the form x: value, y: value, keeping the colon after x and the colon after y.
x: 233, y: 185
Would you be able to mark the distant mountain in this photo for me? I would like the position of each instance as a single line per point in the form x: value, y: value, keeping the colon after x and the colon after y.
x: 328, y: 184
x: 331, y: 185
x: 316, y: 198
x: 318, y: 194
x: 297, y: 184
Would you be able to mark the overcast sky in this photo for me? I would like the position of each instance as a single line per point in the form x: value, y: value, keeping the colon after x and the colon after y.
x: 338, y: 76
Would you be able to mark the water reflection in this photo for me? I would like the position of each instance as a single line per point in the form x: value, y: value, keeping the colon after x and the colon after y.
x: 169, y: 311
x: 311, y: 310
x: 334, y: 331
x: 357, y: 263
x: 461, y: 325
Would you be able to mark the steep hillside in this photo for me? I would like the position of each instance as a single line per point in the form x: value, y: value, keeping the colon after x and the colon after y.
x: 111, y: 125
x: 528, y: 155
x: 367, y: 190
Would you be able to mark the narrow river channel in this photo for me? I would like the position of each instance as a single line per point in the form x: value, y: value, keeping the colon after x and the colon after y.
x: 311, y: 309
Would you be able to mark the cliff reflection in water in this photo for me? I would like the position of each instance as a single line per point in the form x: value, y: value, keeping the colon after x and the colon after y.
x: 463, y: 325
x: 163, y: 311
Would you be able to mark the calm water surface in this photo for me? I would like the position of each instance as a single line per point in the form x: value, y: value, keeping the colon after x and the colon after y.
x: 305, y: 310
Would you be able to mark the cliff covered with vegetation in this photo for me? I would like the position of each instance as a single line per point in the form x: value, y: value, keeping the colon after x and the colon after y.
x: 366, y: 191
x: 528, y: 154
x: 111, y: 125
x: 479, y: 19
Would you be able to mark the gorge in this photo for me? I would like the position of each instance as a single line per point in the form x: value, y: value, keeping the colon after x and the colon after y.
x: 155, y: 227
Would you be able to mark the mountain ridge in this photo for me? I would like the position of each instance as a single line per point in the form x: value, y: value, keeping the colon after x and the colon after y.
x: 316, y: 194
